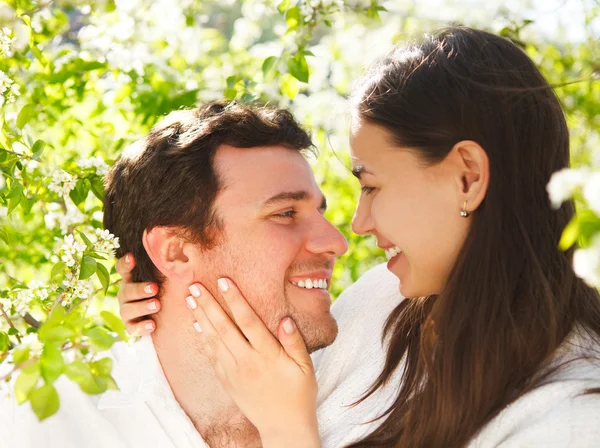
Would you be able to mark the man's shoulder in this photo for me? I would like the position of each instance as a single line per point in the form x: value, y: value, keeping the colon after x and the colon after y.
x: 81, y: 420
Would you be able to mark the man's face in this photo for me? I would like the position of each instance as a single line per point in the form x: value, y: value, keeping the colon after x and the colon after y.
x: 275, y: 239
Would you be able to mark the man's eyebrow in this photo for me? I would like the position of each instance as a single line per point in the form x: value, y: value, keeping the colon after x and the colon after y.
x: 357, y: 171
x: 300, y: 195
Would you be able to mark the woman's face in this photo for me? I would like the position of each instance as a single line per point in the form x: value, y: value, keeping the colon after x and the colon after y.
x: 410, y: 206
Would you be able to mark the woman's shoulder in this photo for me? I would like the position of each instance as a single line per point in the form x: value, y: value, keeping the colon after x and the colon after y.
x: 563, y: 412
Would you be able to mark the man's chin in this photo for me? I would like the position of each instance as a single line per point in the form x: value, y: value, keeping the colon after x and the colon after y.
x: 321, y: 337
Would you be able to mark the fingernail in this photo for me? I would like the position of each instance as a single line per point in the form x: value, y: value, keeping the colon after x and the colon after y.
x: 223, y: 284
x: 152, y: 306
x: 197, y: 327
x: 149, y: 289
x: 191, y: 302
x: 149, y: 326
x: 289, y: 326
x: 127, y: 258
x: 194, y: 290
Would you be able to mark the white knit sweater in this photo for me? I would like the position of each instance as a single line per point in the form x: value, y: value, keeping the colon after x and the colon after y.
x: 552, y: 416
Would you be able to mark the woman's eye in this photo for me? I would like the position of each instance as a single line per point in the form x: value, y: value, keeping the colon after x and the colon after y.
x: 288, y: 214
x: 368, y: 190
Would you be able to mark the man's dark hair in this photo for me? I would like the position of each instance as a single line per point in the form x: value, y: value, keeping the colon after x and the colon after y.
x: 168, y: 179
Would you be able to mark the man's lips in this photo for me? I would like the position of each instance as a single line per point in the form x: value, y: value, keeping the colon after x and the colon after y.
x: 318, y: 279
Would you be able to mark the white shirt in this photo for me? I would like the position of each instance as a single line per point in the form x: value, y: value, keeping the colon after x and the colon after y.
x: 144, y: 412
x: 552, y: 416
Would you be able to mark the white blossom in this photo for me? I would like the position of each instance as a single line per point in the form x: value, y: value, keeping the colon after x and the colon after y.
x: 70, y: 250
x: 55, y: 216
x: 106, y: 241
x: 8, y: 88
x: 564, y: 183
x: 586, y: 263
x: 6, y: 41
x: 62, y: 183
x: 96, y: 163
x: 32, y: 341
x: 75, y: 289
x: 2, y: 181
x: 591, y: 192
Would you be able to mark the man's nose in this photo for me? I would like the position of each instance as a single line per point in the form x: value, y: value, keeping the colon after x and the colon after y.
x: 362, y: 223
x: 327, y: 239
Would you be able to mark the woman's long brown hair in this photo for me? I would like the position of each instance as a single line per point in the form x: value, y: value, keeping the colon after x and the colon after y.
x: 512, y: 297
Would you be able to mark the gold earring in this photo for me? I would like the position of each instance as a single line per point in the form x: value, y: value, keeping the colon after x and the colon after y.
x: 464, y: 213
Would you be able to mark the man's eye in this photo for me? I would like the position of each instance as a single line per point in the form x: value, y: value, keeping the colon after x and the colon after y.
x: 288, y: 214
x: 368, y: 190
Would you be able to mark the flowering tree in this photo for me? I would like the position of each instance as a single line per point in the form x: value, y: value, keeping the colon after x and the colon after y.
x: 81, y: 80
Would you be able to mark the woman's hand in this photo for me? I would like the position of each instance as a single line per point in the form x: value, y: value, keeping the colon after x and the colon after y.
x: 135, y: 307
x: 272, y: 382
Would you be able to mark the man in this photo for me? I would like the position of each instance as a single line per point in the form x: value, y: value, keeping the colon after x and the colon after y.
x: 219, y: 190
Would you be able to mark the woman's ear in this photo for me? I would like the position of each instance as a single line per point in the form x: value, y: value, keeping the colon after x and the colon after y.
x: 473, y: 173
x: 169, y: 252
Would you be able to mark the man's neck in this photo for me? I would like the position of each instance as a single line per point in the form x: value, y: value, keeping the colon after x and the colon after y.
x: 193, y: 382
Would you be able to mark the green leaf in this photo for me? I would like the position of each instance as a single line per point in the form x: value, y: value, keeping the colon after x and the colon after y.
x: 268, y: 64
x: 102, y: 367
x: 88, y: 267
x: 582, y: 227
x: 58, y: 268
x: 38, y: 149
x: 15, y: 191
x: 115, y: 324
x: 26, y: 382
x: 569, y: 235
x: 97, y: 185
x: 4, y: 236
x: 44, y: 401
x: 12, y: 331
x: 86, y: 240
x: 13, y: 203
x: 79, y: 372
x: 293, y: 18
x: 100, y: 338
x: 4, y: 342
x: 81, y: 191
x: 25, y: 115
x: 21, y: 355
x: 289, y: 85
x: 298, y: 67
x: 283, y: 6
x: 103, y: 276
x: 58, y: 333
x: 52, y: 363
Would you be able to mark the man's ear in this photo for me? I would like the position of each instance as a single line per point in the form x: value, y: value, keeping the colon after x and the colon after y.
x: 169, y: 252
x: 472, y: 174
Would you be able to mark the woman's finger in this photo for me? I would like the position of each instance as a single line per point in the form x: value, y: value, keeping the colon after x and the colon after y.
x: 294, y: 345
x: 246, y: 319
x: 141, y: 328
x: 227, y: 330
x: 214, y: 347
x: 133, y: 292
x: 124, y: 266
x: 131, y: 312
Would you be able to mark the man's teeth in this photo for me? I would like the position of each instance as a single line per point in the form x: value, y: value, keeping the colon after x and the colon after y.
x: 392, y: 252
x: 311, y: 284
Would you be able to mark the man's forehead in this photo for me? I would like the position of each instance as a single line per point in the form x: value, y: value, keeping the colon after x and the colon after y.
x: 256, y: 174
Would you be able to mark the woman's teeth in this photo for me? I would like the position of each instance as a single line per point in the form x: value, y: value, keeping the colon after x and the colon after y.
x: 392, y: 252
x: 311, y: 284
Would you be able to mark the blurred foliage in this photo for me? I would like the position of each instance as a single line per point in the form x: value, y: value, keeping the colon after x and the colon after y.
x: 81, y: 80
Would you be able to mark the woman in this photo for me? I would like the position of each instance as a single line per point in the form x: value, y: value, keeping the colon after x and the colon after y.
x: 454, y: 141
